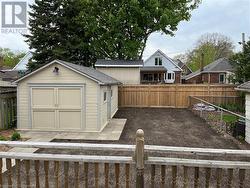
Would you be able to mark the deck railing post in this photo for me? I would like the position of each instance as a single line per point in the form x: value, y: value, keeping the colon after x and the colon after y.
x: 139, y: 158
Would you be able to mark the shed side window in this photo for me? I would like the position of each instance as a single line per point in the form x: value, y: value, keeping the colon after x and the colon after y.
x: 104, y: 96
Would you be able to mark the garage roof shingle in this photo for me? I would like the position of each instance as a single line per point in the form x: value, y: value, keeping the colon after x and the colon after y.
x: 92, y: 73
x: 244, y: 87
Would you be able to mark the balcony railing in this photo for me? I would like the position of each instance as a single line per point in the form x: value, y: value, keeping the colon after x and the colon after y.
x: 136, y: 165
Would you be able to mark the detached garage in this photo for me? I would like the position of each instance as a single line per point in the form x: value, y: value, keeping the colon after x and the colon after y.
x: 245, y: 87
x: 62, y: 96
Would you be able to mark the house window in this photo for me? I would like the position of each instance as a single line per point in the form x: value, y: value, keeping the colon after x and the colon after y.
x: 221, y: 78
x: 170, y: 76
x: 147, y: 77
x: 158, y: 61
x: 105, y: 96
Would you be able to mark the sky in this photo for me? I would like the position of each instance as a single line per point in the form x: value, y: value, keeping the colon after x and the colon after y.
x: 228, y: 17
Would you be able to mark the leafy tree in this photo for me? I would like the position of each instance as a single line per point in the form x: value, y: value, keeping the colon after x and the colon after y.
x: 56, y: 34
x: 241, y: 63
x: 82, y: 31
x: 214, y: 46
x: 10, y: 58
x: 122, y: 27
x: 181, y: 57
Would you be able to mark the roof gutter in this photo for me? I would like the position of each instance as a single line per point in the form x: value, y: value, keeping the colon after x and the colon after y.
x: 242, y: 89
x: 118, y: 66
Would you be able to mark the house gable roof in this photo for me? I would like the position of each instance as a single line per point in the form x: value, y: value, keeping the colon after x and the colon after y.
x: 219, y: 65
x: 118, y: 63
x: 244, y: 87
x: 22, y: 64
x: 88, y: 72
x: 164, y: 55
x: 181, y: 64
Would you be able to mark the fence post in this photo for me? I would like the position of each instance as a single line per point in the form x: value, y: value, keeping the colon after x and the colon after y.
x: 221, y: 119
x: 139, y: 158
x: 1, y: 113
x: 189, y: 102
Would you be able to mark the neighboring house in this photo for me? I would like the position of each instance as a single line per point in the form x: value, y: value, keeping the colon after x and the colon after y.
x: 159, y: 68
x: 218, y: 72
x: 62, y: 96
x: 22, y: 64
x: 6, y: 76
x: 246, y: 88
x: 126, y: 71
x: 185, y: 68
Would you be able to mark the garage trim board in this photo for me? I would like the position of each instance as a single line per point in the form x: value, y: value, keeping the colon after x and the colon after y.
x: 58, y: 111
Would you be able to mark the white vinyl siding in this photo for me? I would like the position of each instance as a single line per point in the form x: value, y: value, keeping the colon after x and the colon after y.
x: 165, y: 62
x: 5, y: 83
x: 248, y: 117
x: 114, y: 100
x: 65, y: 76
x: 103, y: 107
x: 129, y: 75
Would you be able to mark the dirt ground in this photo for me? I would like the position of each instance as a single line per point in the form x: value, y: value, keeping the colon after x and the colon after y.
x: 6, y: 134
x: 169, y: 127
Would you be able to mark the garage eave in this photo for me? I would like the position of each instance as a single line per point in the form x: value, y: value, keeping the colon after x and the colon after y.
x: 85, y: 71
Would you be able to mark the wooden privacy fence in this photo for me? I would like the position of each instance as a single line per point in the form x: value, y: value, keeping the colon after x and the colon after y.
x: 8, y: 108
x: 175, y: 95
x: 128, y: 166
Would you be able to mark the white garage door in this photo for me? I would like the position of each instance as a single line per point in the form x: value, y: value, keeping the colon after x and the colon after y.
x: 56, y: 108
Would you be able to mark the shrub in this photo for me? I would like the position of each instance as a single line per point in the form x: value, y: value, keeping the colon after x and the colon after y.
x: 2, y: 138
x: 233, y: 107
x: 15, y: 136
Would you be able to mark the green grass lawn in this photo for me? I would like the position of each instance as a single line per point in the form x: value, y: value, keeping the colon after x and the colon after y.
x: 230, y: 118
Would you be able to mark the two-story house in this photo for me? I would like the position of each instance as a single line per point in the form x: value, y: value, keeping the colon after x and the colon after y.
x: 159, y: 68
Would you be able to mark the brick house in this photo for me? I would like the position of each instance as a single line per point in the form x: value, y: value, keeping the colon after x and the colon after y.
x: 218, y: 72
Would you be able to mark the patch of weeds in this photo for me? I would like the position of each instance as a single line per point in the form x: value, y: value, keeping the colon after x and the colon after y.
x: 241, y: 138
x: 15, y: 136
x: 213, y: 117
x: 2, y: 138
